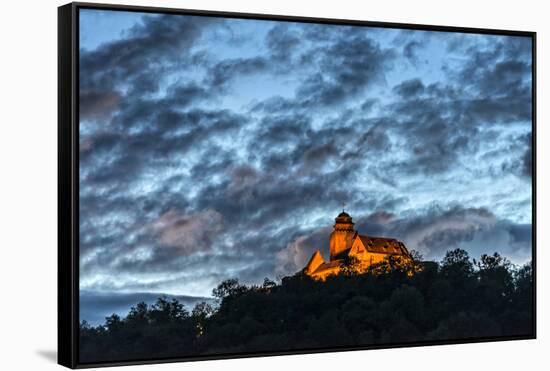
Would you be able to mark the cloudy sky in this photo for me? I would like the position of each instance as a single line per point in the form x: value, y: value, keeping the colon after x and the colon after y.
x: 214, y: 148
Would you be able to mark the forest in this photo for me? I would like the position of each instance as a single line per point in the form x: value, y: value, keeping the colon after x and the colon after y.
x: 456, y: 299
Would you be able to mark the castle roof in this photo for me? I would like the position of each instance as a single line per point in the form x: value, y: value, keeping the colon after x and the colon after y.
x: 344, y: 217
x: 383, y: 245
x: 315, y: 261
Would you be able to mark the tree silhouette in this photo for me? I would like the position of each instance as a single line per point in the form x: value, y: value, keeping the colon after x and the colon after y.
x: 457, y: 298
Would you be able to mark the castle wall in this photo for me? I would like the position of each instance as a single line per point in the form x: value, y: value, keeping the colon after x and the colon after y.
x: 340, y: 240
x: 368, y: 258
x: 314, y: 263
x: 325, y: 273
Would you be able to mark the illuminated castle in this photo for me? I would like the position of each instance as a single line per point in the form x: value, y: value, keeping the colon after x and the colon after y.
x: 346, y: 243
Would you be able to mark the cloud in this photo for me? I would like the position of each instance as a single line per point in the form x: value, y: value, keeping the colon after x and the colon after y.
x: 437, y: 230
x: 117, y: 157
x: 444, y: 120
x: 409, y: 88
x: 298, y: 252
x: 410, y: 52
x: 98, y: 104
x: 229, y: 69
x: 282, y: 41
x: 349, y: 66
x: 158, y: 46
x: 211, y: 150
x: 527, y: 158
x: 188, y: 233
x: 154, y: 39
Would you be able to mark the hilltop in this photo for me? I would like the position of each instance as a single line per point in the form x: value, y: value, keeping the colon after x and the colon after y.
x: 457, y: 298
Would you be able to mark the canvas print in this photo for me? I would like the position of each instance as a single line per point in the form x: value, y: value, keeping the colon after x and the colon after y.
x: 252, y: 186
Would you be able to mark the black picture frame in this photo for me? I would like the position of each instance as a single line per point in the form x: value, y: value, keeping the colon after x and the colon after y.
x: 68, y: 180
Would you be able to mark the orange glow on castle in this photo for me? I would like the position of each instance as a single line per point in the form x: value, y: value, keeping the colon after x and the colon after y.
x: 347, y: 244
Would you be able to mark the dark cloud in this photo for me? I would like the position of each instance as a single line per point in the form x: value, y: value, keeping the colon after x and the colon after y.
x: 96, y: 104
x: 320, y: 154
x: 187, y: 233
x: 527, y: 159
x: 500, y: 77
x: 410, y: 52
x: 282, y: 41
x: 445, y: 121
x: 436, y: 132
x: 227, y: 70
x: 164, y: 36
x: 410, y: 88
x: 345, y: 65
x: 121, y: 158
x: 155, y: 46
x: 522, y: 163
x: 349, y: 66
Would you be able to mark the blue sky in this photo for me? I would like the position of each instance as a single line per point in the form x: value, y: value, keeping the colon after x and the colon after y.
x: 215, y: 148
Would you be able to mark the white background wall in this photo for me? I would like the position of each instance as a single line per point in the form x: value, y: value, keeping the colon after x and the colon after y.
x: 28, y: 153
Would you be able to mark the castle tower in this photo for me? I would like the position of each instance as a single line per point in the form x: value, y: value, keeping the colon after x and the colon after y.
x: 341, y: 237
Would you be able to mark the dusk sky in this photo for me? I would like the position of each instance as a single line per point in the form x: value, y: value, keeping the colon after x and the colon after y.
x: 216, y: 148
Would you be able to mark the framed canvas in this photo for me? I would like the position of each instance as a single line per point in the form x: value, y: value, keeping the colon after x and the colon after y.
x: 235, y: 185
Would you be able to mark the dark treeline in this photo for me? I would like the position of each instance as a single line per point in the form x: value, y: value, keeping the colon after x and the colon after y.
x: 457, y: 298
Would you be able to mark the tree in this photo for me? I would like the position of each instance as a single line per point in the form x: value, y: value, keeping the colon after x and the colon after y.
x: 139, y: 313
x: 496, y: 280
x: 228, y: 288
x: 488, y: 262
x: 457, y: 265
x: 199, y: 315
x: 351, y: 266
x: 165, y: 310
x: 268, y: 284
x: 523, y: 279
x: 113, y: 323
x: 407, y: 302
x: 414, y: 264
x: 453, y: 299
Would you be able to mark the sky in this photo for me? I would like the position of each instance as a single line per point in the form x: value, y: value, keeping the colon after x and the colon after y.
x: 215, y: 148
